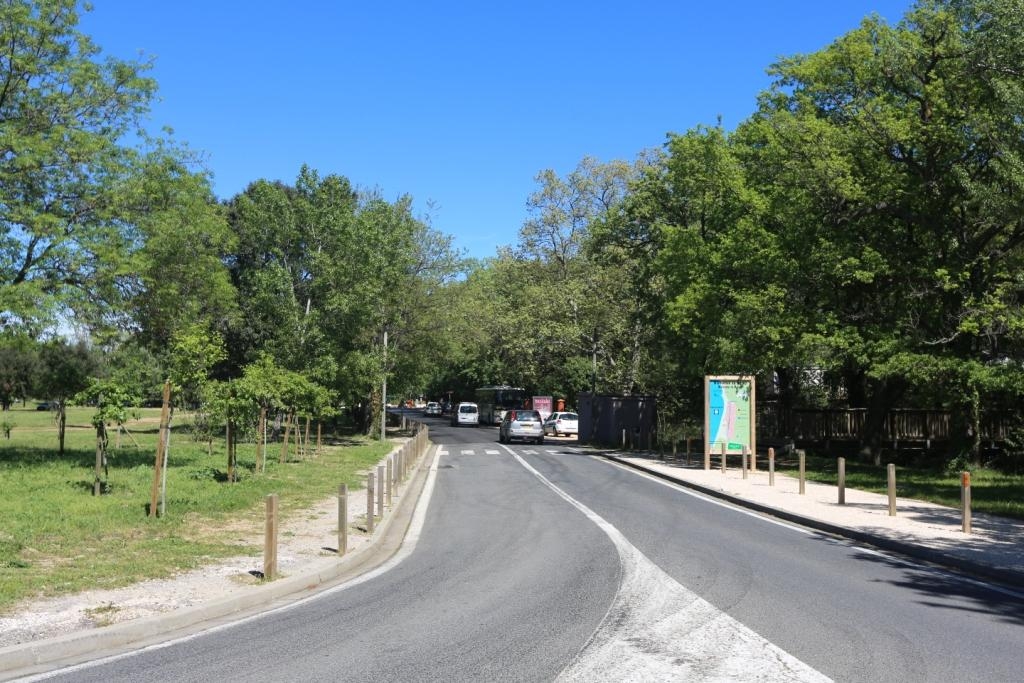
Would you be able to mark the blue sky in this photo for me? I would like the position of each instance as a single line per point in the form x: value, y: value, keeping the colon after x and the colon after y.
x: 458, y: 104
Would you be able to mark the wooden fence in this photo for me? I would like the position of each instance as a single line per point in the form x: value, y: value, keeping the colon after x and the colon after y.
x: 842, y: 424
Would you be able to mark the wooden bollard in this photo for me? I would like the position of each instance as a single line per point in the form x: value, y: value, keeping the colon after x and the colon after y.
x: 753, y: 460
x: 744, y: 462
x: 380, y: 491
x: 842, y: 481
x: 891, y: 470
x: 270, y: 538
x: 965, y: 500
x: 707, y: 457
x: 391, y: 477
x: 342, y: 519
x: 771, y: 467
x: 369, y: 502
x: 803, y: 471
x: 723, y: 457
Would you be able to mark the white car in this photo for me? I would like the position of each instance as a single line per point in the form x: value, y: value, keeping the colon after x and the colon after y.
x: 465, y: 414
x: 562, y: 423
x: 433, y: 408
x: 521, y: 423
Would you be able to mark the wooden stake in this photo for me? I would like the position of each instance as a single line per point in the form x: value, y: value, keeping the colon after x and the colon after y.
x: 342, y: 519
x: 287, y: 433
x: 270, y: 538
x: 891, y: 471
x: 261, y: 444
x: 161, y: 444
x: 842, y: 481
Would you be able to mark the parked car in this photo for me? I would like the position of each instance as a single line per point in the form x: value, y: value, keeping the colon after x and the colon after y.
x: 433, y: 408
x: 44, y: 405
x: 521, y: 423
x: 562, y: 423
x: 465, y: 414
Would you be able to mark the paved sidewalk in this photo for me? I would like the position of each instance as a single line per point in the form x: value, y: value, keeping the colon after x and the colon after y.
x: 925, y: 531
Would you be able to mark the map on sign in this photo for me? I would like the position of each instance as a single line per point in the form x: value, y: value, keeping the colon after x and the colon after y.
x: 729, y: 411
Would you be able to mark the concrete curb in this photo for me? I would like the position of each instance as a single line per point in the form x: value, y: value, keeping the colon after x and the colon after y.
x: 35, y: 657
x: 1004, y: 575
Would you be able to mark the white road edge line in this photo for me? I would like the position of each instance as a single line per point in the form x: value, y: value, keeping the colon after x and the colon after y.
x: 707, y: 498
x: 845, y: 542
x: 657, y: 629
x: 412, y: 537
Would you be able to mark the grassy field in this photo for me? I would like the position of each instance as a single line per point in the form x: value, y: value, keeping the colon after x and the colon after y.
x: 991, y: 491
x: 56, y: 537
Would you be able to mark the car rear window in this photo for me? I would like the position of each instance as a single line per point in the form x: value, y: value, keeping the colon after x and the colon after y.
x: 567, y: 416
x: 467, y: 409
x: 527, y: 415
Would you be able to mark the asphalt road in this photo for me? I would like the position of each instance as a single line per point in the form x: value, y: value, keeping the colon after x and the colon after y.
x: 536, y: 562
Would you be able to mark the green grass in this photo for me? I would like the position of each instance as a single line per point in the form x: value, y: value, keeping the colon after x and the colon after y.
x: 992, y: 492
x: 56, y: 537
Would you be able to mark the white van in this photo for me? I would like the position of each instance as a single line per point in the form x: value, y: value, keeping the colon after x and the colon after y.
x: 465, y: 414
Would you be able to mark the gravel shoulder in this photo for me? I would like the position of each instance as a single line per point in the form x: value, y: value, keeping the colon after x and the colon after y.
x: 306, y: 538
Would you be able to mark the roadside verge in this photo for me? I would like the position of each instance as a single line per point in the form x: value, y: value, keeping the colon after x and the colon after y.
x: 43, y: 655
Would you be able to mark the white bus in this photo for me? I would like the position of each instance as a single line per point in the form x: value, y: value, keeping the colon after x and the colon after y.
x: 493, y: 401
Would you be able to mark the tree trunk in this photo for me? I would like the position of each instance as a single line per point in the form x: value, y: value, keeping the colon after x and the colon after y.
x: 260, y: 430
x: 883, y: 396
x: 966, y: 426
x: 284, y: 443
x: 61, y: 421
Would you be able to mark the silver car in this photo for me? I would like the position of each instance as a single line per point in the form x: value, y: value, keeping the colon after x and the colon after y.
x: 521, y: 423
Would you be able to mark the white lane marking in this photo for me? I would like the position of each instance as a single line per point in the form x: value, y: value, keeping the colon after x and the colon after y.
x: 658, y: 630
x: 491, y: 451
x: 469, y: 452
x: 412, y: 537
x: 845, y: 542
x: 443, y: 451
x: 710, y: 499
x: 529, y: 451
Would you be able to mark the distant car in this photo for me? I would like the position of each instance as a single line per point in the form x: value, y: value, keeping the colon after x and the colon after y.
x: 562, y: 423
x: 521, y: 423
x: 433, y: 408
x: 466, y: 414
x: 44, y: 405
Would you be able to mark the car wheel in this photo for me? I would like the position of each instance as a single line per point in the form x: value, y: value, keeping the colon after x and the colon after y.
x: 540, y: 440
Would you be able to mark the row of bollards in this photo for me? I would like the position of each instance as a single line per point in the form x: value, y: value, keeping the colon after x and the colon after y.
x: 965, y: 478
x: 382, y: 486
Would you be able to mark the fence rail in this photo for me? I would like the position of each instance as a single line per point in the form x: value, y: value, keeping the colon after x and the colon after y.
x: 841, y: 424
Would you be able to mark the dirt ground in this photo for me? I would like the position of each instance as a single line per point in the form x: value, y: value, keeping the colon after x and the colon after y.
x: 304, y: 537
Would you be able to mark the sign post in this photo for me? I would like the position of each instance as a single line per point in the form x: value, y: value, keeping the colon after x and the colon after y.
x: 729, y: 418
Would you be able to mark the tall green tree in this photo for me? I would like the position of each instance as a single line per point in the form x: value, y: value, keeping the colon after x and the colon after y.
x: 892, y: 159
x: 64, y: 112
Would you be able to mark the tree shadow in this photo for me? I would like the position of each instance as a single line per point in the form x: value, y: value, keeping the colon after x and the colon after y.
x: 947, y: 589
